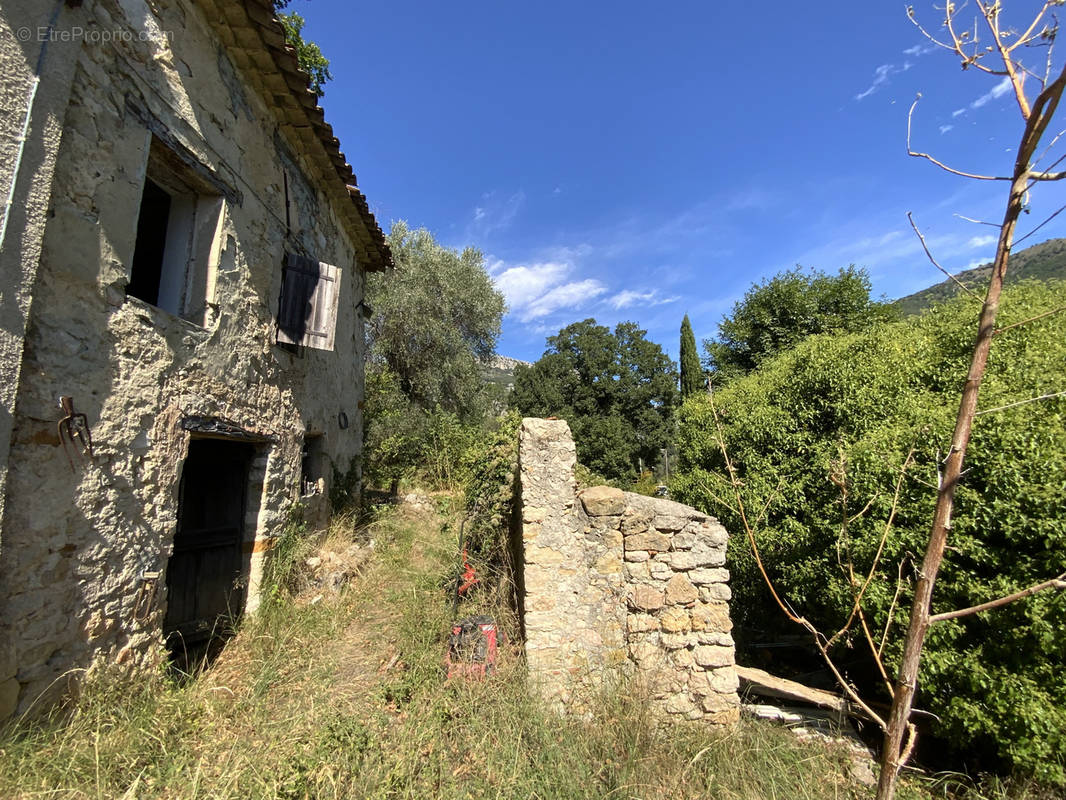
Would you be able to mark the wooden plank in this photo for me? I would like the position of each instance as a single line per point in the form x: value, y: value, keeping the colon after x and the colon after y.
x: 763, y: 683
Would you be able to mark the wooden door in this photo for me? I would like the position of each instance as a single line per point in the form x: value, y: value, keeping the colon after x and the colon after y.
x: 205, y: 582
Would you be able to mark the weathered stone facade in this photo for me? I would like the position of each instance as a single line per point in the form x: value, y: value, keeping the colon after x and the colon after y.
x: 611, y: 579
x: 205, y: 91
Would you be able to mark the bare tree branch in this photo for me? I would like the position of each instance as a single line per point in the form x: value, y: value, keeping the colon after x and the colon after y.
x: 1046, y: 176
x: 803, y: 622
x: 977, y: 221
x: 1021, y: 403
x: 1041, y: 225
x: 1031, y: 319
x: 991, y: 15
x: 1058, y: 582
x: 939, y: 163
x: 891, y: 608
x: 925, y: 247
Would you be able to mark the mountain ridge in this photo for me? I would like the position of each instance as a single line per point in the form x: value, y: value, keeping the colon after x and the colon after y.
x: 1044, y: 261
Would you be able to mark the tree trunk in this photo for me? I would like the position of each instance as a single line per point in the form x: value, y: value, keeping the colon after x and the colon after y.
x: 906, y: 683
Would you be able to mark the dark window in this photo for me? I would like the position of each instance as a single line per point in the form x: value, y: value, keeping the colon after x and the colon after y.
x: 177, y: 229
x: 151, y: 242
x: 312, y: 473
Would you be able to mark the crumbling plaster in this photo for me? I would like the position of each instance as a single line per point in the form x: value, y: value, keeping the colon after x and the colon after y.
x: 75, y: 543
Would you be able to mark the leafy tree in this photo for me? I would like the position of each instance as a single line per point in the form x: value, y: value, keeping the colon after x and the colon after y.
x: 846, y: 410
x: 435, y: 316
x: 777, y: 313
x: 691, y: 371
x: 617, y: 390
x: 308, y: 53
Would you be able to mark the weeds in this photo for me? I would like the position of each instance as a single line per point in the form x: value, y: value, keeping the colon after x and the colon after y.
x: 346, y: 698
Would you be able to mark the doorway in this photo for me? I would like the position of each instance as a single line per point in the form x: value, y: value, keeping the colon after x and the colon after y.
x: 206, y: 575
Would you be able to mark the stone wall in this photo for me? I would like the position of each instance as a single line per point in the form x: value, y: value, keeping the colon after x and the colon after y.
x: 79, y: 543
x: 614, y: 580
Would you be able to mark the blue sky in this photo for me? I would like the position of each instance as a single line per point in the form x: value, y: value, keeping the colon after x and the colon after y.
x: 634, y: 161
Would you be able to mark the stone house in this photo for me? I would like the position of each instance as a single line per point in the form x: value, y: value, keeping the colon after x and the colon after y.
x: 183, y: 257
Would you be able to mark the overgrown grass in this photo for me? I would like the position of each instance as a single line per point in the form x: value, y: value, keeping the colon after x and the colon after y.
x: 346, y: 698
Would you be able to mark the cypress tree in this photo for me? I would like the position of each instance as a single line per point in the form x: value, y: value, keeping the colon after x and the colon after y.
x: 691, y: 372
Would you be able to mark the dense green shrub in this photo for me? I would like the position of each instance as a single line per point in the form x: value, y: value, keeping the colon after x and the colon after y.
x: 846, y: 410
x: 490, y: 467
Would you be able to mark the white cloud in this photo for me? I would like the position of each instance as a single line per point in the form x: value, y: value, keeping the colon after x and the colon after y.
x: 628, y: 297
x: 919, y: 50
x: 536, y: 290
x: 569, y: 295
x: 523, y: 285
x: 945, y: 128
x: 496, y: 212
x: 881, y: 76
x: 994, y: 93
x: 981, y: 241
x: 958, y: 112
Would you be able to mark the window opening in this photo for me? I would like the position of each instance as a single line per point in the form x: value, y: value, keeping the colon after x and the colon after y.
x: 312, y: 474
x: 177, y: 230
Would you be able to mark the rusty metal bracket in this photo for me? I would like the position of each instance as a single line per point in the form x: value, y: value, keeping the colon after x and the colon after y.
x: 144, y: 600
x: 74, y: 433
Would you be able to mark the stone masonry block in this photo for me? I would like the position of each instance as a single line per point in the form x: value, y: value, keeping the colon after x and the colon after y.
x: 648, y: 541
x: 714, y: 656
x: 712, y: 617
x: 602, y: 501
x: 680, y: 591
x: 682, y: 560
x: 675, y: 619
x: 641, y: 623
x: 706, y: 576
x: 646, y: 598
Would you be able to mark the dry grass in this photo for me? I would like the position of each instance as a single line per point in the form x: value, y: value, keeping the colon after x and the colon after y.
x: 345, y: 698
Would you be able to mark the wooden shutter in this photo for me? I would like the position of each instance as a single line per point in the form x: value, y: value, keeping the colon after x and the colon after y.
x: 307, y: 311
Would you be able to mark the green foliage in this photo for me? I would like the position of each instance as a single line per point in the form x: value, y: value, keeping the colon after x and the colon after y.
x: 779, y: 312
x: 308, y: 53
x: 692, y: 380
x: 491, y: 468
x: 848, y: 409
x: 291, y: 547
x: 436, y: 316
x: 617, y: 390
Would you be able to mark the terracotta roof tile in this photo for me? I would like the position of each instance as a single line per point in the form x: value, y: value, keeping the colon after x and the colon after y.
x: 260, y: 14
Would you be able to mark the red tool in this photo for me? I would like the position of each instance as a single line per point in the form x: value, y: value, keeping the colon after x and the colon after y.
x: 472, y: 647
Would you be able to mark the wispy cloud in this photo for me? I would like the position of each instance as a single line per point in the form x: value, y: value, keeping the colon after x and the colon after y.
x: 945, y: 128
x: 568, y: 295
x: 495, y: 212
x: 919, y: 50
x: 994, y: 93
x: 981, y: 241
x: 628, y: 297
x: 881, y: 76
x: 536, y: 290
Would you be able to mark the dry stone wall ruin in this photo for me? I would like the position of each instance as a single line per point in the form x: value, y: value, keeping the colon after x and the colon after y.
x: 611, y: 581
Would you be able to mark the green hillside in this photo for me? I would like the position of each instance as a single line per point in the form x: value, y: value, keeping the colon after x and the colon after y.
x: 1041, y: 261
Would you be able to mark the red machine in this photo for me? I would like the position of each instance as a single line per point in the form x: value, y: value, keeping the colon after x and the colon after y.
x: 472, y: 647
